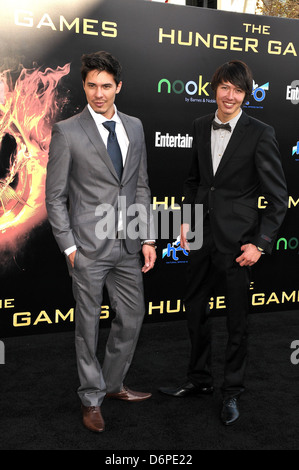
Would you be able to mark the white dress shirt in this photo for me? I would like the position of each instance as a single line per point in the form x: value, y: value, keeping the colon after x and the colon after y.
x: 220, y: 138
x: 119, y: 130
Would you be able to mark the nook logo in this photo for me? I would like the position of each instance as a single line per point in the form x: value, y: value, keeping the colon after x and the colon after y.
x: 290, y: 244
x: 178, y: 87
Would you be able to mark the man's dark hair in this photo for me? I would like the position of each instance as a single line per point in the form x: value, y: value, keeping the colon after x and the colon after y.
x: 101, y: 61
x: 235, y: 72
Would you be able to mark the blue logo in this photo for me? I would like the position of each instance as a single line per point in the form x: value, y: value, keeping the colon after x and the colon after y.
x: 258, y: 93
x: 174, y: 252
x: 296, y: 151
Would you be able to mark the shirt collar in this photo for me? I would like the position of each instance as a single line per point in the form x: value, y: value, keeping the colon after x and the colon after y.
x: 99, y: 118
x: 232, y: 122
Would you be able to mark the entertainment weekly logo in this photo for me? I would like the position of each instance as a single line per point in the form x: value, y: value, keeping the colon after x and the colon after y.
x: 173, y: 141
x: 292, y: 93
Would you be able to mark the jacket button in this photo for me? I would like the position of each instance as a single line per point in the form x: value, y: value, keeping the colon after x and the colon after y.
x: 212, y: 188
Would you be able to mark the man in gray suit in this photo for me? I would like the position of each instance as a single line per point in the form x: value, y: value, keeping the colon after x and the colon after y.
x: 96, y: 191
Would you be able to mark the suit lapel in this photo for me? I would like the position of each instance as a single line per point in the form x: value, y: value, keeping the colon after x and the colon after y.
x: 207, y: 143
x: 234, y: 142
x: 89, y: 126
x: 130, y: 133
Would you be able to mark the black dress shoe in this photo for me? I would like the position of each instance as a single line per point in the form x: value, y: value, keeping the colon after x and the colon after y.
x: 230, y: 412
x: 187, y: 389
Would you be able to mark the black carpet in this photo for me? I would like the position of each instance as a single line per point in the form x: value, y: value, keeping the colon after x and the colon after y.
x: 40, y: 409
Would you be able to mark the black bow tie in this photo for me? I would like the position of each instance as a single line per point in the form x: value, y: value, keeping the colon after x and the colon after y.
x: 217, y: 126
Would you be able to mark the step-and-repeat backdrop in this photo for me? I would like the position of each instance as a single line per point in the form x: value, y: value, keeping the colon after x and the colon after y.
x: 169, y: 54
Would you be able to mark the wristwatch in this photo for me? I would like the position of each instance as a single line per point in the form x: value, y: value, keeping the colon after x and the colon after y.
x: 260, y: 249
x: 153, y: 244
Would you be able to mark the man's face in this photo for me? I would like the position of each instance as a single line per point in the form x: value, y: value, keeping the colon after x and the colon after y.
x: 100, y: 89
x: 229, y: 100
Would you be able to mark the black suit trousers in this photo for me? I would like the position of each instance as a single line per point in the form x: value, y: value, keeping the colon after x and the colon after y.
x: 208, y: 268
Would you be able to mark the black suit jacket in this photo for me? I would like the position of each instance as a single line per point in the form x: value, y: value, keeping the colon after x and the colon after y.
x: 250, y: 167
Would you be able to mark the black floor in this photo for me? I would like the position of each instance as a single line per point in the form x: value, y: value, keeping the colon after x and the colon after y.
x: 40, y: 409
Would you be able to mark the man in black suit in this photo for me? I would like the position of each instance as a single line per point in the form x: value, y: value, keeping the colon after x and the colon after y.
x: 235, y: 160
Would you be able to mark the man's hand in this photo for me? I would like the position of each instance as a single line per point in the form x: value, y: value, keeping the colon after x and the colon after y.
x: 71, y: 257
x: 183, y: 239
x: 249, y: 256
x: 150, y: 256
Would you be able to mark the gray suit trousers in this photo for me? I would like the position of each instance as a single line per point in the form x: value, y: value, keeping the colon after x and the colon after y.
x: 121, y: 273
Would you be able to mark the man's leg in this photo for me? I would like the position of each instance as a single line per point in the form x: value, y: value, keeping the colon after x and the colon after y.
x: 200, y: 281
x: 125, y: 288
x: 88, y: 282
x: 196, y: 300
x: 237, y: 305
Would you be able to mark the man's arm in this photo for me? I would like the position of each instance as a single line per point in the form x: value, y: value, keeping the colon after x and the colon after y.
x: 273, y: 187
x: 146, y: 220
x: 192, y: 182
x: 57, y: 180
x: 191, y: 185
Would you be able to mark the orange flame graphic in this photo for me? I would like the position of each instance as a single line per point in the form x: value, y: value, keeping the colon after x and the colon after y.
x: 27, y: 111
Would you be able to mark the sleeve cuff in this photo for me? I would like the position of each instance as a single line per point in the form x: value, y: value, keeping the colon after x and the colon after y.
x: 70, y: 250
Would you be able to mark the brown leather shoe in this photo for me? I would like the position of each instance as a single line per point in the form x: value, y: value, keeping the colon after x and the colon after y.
x: 92, y: 418
x: 129, y: 395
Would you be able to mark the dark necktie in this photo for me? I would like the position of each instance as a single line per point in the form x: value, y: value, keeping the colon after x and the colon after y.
x: 113, y: 148
x: 217, y: 126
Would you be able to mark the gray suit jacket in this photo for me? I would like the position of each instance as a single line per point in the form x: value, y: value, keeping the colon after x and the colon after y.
x: 82, y: 187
